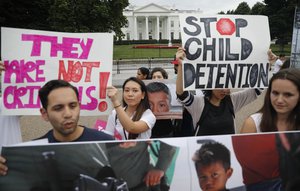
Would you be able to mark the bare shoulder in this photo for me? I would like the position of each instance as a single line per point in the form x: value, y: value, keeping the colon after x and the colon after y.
x: 248, y: 126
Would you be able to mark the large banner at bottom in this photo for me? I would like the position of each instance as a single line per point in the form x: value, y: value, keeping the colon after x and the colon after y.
x: 233, y: 162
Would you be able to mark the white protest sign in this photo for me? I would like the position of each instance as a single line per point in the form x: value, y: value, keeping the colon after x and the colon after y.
x: 225, y: 51
x: 33, y: 57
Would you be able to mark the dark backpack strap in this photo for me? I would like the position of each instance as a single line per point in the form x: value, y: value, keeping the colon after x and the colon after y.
x: 123, y: 128
x: 130, y: 135
x: 202, y: 115
x: 230, y: 104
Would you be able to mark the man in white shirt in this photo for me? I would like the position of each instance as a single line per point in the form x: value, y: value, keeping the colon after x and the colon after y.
x: 278, y: 63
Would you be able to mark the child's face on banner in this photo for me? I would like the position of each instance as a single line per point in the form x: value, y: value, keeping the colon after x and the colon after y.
x: 213, y: 177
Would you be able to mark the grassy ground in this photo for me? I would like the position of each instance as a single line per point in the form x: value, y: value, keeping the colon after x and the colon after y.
x: 128, y: 52
x: 286, y: 49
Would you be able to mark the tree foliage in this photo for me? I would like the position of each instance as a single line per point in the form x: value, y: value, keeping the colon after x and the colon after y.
x: 242, y: 9
x: 257, y: 9
x: 281, y: 17
x: 65, y: 15
x: 279, y: 12
x: 24, y: 14
x: 230, y: 12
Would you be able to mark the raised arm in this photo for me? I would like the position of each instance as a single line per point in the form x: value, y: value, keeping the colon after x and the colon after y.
x: 127, y: 123
x: 2, y: 67
x: 180, y: 55
x: 3, y: 167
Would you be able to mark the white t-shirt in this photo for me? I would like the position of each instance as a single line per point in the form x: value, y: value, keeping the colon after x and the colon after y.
x: 257, y: 120
x: 10, y: 131
x: 277, y: 66
x: 115, y: 128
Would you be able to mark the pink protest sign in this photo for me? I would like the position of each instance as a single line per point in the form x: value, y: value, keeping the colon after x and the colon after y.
x: 33, y: 57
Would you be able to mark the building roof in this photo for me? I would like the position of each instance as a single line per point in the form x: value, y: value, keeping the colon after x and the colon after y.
x: 152, y: 7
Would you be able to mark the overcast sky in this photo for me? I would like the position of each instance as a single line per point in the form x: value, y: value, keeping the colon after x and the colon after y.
x: 207, y: 6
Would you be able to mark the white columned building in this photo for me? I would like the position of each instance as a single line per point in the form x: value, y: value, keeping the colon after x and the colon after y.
x: 153, y: 22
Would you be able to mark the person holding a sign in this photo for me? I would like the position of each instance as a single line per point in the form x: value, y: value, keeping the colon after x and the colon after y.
x: 271, y: 58
x: 213, y: 113
x: 281, y: 109
x: 133, y: 120
x: 278, y: 64
x: 10, y: 130
x: 61, y: 107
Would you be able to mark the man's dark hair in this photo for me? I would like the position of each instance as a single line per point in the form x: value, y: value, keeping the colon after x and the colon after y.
x: 52, y: 85
x: 281, y: 55
x: 158, y: 87
x: 210, y: 153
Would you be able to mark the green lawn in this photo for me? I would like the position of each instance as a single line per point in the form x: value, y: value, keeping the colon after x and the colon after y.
x: 278, y: 50
x: 128, y: 52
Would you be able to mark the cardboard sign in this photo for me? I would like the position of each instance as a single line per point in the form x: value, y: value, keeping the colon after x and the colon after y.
x: 32, y: 58
x: 225, y: 51
x: 163, y: 100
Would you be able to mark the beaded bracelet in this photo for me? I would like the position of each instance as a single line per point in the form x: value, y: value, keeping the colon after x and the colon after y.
x: 117, y: 106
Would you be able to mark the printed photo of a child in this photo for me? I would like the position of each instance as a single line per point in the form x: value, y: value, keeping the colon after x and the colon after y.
x: 213, y: 166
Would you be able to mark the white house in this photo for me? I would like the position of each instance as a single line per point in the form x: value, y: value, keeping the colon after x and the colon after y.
x: 153, y: 22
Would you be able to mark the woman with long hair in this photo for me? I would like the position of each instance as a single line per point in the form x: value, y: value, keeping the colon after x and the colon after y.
x: 281, y: 108
x: 132, y: 119
x: 213, y: 113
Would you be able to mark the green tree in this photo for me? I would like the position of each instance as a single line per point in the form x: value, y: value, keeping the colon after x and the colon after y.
x: 242, y: 9
x: 281, y: 17
x: 279, y: 12
x: 230, y: 12
x: 24, y: 14
x: 88, y: 15
x: 65, y: 15
x: 117, y: 18
x: 257, y: 9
